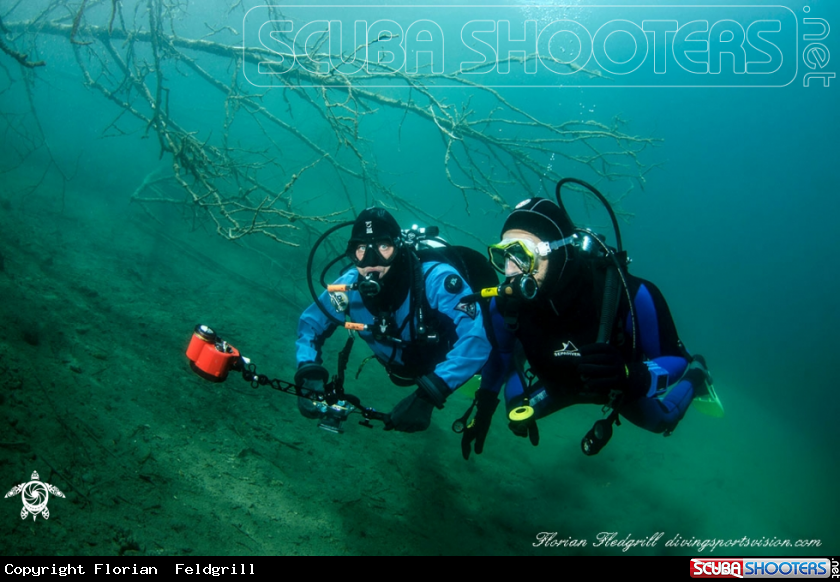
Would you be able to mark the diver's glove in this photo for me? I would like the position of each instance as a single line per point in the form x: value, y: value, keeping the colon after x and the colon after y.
x: 602, y: 368
x: 526, y: 428
x: 312, y: 377
x: 485, y: 404
x: 414, y: 413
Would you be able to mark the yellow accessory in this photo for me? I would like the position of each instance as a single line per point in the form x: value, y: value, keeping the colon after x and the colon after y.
x: 521, y: 414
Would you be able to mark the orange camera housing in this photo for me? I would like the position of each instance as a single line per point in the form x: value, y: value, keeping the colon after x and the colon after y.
x: 210, y: 357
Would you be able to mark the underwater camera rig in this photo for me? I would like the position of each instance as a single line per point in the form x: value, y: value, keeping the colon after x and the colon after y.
x: 213, y: 359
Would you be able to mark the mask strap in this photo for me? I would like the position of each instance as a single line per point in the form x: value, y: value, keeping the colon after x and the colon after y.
x: 544, y: 248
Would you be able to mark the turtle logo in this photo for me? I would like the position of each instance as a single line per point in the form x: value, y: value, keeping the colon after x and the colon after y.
x: 35, y: 496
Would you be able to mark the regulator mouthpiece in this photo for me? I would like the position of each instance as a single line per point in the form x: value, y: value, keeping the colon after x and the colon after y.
x: 371, y: 286
x: 520, y: 287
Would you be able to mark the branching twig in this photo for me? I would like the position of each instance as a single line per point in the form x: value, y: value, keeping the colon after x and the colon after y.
x: 244, y: 176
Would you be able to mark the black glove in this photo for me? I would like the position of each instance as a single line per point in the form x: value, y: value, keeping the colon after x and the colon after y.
x: 485, y: 403
x: 526, y: 428
x: 312, y: 377
x: 414, y: 413
x: 602, y: 368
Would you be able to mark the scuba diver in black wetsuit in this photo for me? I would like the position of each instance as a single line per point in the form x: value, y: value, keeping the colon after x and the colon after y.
x: 407, y: 303
x: 572, y: 326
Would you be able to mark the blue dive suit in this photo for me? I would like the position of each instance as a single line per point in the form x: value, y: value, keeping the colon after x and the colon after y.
x: 548, y: 334
x: 459, y: 352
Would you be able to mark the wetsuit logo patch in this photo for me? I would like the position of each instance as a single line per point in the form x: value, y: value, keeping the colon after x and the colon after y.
x: 468, y: 308
x: 568, y: 349
x: 453, y: 284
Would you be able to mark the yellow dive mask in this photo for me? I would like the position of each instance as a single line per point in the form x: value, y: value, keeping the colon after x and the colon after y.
x: 522, y: 253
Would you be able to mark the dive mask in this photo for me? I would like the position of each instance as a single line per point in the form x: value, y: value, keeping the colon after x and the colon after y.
x: 520, y: 252
x: 372, y: 253
x: 513, y: 256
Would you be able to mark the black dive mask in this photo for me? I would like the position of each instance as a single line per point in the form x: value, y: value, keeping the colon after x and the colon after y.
x: 371, y: 252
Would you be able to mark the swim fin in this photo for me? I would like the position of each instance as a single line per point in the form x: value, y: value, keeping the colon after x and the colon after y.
x: 470, y: 387
x: 709, y: 403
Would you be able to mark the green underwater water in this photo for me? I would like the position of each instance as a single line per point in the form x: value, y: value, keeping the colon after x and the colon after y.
x: 98, y: 398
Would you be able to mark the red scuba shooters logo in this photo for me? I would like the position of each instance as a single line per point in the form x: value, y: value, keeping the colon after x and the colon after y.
x: 716, y: 568
x: 796, y: 568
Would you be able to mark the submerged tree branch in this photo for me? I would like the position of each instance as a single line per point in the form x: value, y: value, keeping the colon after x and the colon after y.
x: 242, y: 175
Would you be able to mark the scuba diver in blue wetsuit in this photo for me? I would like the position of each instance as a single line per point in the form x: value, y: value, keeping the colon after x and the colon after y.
x: 571, y: 326
x: 407, y: 303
